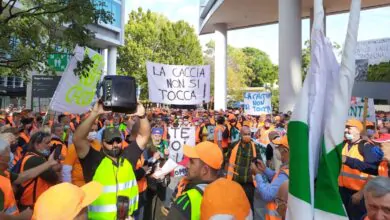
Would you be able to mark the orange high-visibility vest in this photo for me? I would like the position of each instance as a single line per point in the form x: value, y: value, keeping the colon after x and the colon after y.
x: 352, y: 178
x: 271, y: 212
x: 383, y: 169
x: 224, y: 141
x: 142, y: 183
x: 232, y: 162
x: 9, y: 206
x: 33, y: 188
x: 19, y: 150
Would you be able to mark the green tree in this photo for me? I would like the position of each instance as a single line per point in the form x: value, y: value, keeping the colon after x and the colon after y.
x: 306, y: 55
x: 264, y: 71
x: 30, y: 33
x: 379, y: 72
x: 152, y: 37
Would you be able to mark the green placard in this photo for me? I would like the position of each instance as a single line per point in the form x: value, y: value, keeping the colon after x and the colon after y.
x: 58, y: 61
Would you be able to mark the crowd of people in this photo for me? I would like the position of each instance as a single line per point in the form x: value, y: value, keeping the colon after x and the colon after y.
x: 101, y: 165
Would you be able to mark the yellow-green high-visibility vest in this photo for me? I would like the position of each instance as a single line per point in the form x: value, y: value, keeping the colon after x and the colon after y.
x: 195, y: 196
x: 117, y: 181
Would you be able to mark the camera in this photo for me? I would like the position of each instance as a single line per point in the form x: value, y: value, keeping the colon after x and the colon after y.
x: 118, y: 94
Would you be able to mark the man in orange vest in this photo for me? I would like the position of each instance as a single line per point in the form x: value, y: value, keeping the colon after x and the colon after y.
x: 377, y: 198
x: 239, y: 162
x: 352, y: 177
x: 269, y: 181
x: 220, y: 136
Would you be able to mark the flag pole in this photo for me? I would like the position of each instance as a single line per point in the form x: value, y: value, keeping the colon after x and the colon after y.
x: 365, y: 112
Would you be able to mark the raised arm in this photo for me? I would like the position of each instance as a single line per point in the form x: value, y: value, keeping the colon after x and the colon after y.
x: 80, y: 137
x: 36, y: 171
x: 144, y: 129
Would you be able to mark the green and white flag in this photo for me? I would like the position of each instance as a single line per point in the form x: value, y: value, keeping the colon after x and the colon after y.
x: 315, y: 132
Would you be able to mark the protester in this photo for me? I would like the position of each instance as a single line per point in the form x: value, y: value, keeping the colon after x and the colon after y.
x: 205, y: 160
x: 217, y: 204
x: 377, y: 198
x: 66, y: 201
x: 281, y: 200
x: 269, y: 181
x: 113, y: 166
x: 352, y: 179
x: 240, y: 157
x: 36, y: 155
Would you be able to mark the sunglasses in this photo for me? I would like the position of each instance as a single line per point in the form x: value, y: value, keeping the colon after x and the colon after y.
x: 114, y: 140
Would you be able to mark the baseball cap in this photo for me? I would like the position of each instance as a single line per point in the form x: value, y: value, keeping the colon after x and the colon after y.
x: 273, y: 134
x: 385, y: 138
x: 64, y: 201
x: 232, y: 117
x: 282, y: 142
x: 234, y: 205
x: 207, y: 152
x: 355, y: 123
x: 157, y: 131
x: 111, y: 133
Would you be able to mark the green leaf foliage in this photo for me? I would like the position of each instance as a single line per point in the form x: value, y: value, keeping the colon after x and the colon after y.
x: 30, y: 30
x: 152, y: 37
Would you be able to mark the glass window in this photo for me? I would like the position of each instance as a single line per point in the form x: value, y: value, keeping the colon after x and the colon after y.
x: 18, y: 82
x: 10, y: 81
x: 2, y: 81
x: 116, y: 11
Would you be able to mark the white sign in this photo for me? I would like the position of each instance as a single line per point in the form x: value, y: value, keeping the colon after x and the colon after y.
x: 178, y: 85
x: 357, y: 108
x: 257, y: 103
x: 375, y: 51
x: 178, y: 138
x: 75, y: 94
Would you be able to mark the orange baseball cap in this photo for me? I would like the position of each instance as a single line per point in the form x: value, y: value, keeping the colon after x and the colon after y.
x: 206, y: 151
x: 64, y: 201
x: 283, y: 141
x: 234, y: 205
x: 355, y: 123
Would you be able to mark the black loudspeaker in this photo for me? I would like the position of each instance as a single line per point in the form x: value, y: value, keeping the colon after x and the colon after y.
x: 119, y: 94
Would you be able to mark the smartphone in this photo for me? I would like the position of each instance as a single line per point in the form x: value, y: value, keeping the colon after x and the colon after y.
x: 57, y: 152
x: 122, y: 207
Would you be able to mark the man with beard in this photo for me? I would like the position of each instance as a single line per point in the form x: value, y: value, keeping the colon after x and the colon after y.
x: 112, y: 166
x: 205, y: 160
x: 240, y: 157
x: 160, y: 145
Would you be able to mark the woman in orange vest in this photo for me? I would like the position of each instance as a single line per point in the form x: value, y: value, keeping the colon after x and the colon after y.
x: 37, y: 154
x: 269, y: 181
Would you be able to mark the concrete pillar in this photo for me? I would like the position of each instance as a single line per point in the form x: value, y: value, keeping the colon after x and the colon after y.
x: 312, y: 20
x: 290, y: 52
x: 111, y: 61
x: 220, y: 72
x: 105, y: 58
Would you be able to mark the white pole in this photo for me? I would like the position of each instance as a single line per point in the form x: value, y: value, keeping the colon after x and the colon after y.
x: 220, y: 72
x: 290, y: 52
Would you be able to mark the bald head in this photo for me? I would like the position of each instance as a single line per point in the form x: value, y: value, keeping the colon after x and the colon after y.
x: 245, y: 129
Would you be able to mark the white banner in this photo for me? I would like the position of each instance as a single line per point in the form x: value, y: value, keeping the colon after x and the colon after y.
x: 178, y: 85
x: 357, y: 108
x: 179, y: 137
x: 75, y: 94
x: 375, y: 51
x: 257, y: 103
